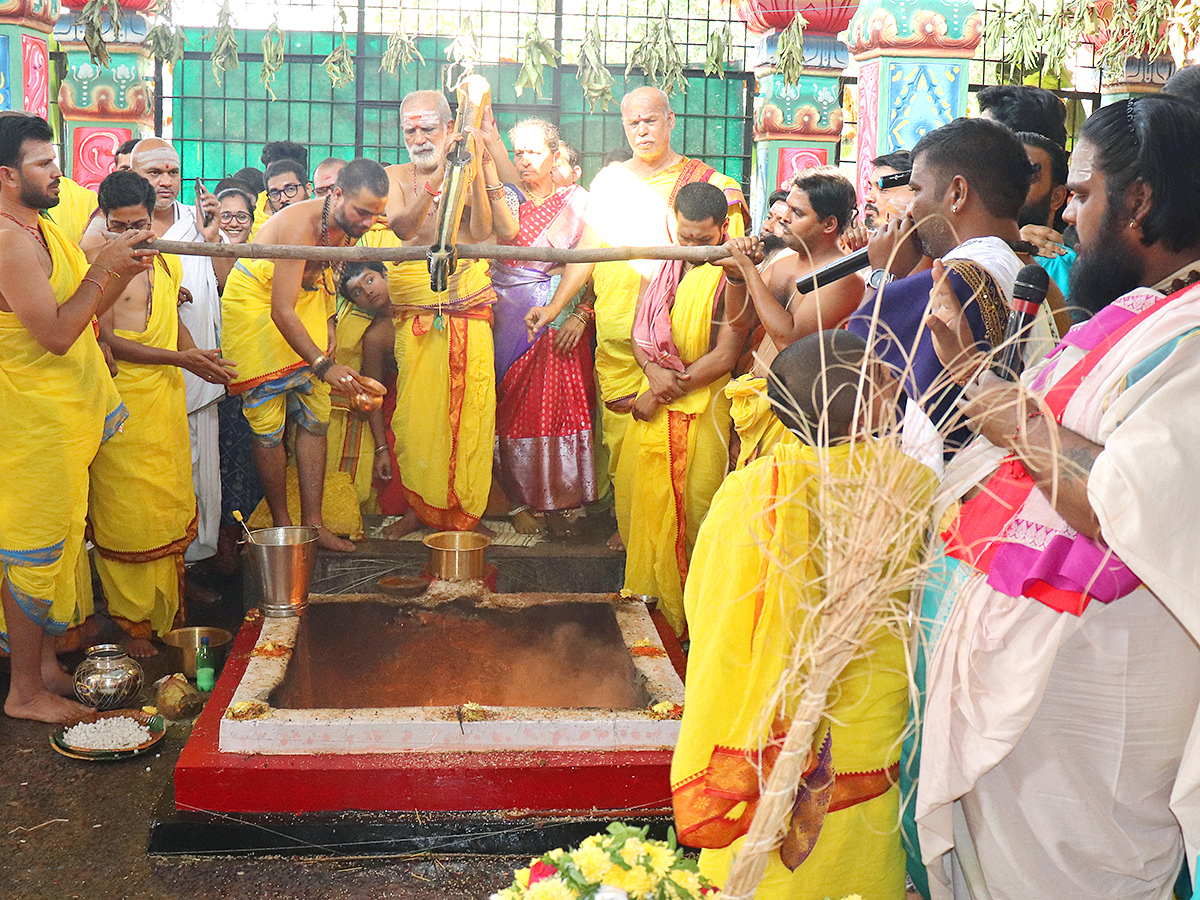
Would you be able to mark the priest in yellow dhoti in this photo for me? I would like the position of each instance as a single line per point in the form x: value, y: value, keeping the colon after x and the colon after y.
x: 57, y: 404
x: 689, y: 330
x: 445, y: 420
x: 278, y: 325
x: 632, y: 204
x: 754, y: 582
x: 142, y: 504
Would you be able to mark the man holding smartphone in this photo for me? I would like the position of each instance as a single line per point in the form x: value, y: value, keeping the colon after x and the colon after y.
x: 156, y: 161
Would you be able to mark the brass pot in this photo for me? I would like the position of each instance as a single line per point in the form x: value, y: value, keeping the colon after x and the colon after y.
x: 108, y: 678
x: 456, y: 555
x: 182, y: 644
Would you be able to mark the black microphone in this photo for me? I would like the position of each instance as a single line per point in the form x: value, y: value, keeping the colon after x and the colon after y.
x: 1028, y: 293
x: 895, y: 180
x: 830, y: 273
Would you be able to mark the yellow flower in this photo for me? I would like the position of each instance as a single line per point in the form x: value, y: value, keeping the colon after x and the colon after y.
x: 637, y: 882
x: 552, y: 888
x: 521, y: 877
x: 689, y: 881
x: 632, y: 851
x: 661, y: 858
x: 853, y: 897
x: 593, y: 862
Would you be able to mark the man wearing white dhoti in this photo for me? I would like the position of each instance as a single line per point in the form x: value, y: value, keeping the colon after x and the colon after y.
x: 156, y: 161
x: 1059, y: 750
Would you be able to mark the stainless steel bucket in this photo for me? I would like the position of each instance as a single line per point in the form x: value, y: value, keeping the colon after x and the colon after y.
x: 282, y: 561
x: 456, y: 555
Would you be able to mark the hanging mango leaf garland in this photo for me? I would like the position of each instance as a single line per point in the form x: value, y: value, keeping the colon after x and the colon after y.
x: 658, y: 56
x: 717, y: 51
x: 92, y: 18
x: 594, y: 77
x: 165, y: 41
x: 463, y: 52
x: 538, y: 52
x: 225, y: 45
x: 273, y: 44
x: 1136, y: 32
x: 789, y: 57
x: 339, y: 64
x: 401, y: 48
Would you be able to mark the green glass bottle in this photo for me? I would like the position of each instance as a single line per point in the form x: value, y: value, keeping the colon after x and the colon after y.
x: 206, y: 675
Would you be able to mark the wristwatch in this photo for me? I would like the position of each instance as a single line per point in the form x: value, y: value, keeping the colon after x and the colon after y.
x: 878, y: 278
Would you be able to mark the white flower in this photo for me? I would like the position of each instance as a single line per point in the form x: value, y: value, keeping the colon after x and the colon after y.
x: 608, y: 892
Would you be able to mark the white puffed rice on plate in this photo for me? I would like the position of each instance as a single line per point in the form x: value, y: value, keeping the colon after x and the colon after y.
x: 113, y: 733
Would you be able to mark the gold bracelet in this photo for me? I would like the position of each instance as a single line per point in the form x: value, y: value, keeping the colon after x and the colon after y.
x: 95, y: 282
x: 110, y: 272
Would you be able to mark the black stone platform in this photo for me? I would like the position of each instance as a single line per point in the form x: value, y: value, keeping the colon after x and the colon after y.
x: 583, y: 564
x: 176, y: 833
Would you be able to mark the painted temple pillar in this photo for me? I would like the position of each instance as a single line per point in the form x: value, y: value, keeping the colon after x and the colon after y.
x: 796, y: 126
x: 102, y: 107
x: 25, y: 26
x: 913, y: 58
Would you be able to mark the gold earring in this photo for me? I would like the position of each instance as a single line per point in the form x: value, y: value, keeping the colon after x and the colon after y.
x: 1133, y: 223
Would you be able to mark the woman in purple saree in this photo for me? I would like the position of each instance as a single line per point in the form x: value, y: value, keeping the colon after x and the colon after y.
x: 544, y: 453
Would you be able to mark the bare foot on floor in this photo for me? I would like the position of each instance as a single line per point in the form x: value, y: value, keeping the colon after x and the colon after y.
x: 45, y: 707
x: 407, y: 524
x: 58, y: 680
x: 615, y: 544
x: 139, y: 648
x: 330, y: 541
x: 525, y: 523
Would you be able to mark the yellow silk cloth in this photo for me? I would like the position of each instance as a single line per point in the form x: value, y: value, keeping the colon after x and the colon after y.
x: 349, y: 446
x: 250, y: 338
x: 670, y: 467
x: 626, y: 211
x: 445, y: 420
x: 54, y: 413
x: 74, y: 210
x: 142, y: 504
x: 752, y: 584
x: 758, y: 429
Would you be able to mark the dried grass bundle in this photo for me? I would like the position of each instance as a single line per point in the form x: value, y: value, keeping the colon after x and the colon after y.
x: 863, y: 572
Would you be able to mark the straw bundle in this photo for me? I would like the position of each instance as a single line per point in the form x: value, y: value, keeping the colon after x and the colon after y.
x: 865, y: 564
x: 861, y: 570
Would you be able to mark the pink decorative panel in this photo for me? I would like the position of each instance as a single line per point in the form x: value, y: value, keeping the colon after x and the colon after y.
x: 868, y: 123
x: 37, y: 74
x: 92, y: 154
x: 794, y: 160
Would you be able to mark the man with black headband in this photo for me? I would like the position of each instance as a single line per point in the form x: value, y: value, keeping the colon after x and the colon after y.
x: 1059, y: 753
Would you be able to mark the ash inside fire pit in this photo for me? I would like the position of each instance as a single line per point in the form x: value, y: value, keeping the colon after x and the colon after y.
x: 376, y: 655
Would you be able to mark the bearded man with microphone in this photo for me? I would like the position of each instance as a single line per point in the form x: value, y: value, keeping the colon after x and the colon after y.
x: 1060, y: 740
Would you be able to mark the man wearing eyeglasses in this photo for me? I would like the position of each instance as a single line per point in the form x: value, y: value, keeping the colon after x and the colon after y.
x: 287, y: 183
x: 325, y: 176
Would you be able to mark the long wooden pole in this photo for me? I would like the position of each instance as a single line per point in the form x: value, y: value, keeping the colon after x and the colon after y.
x: 465, y: 251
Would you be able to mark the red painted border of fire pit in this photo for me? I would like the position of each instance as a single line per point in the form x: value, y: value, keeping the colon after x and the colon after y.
x: 545, y: 782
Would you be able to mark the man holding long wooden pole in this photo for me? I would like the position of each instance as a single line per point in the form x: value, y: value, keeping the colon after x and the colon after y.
x: 446, y: 387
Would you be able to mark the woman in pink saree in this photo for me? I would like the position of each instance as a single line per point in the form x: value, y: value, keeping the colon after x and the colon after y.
x: 543, y: 389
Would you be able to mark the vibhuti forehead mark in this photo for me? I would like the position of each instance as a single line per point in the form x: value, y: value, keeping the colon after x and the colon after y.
x: 158, y: 156
x: 427, y: 119
x: 1083, y: 163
